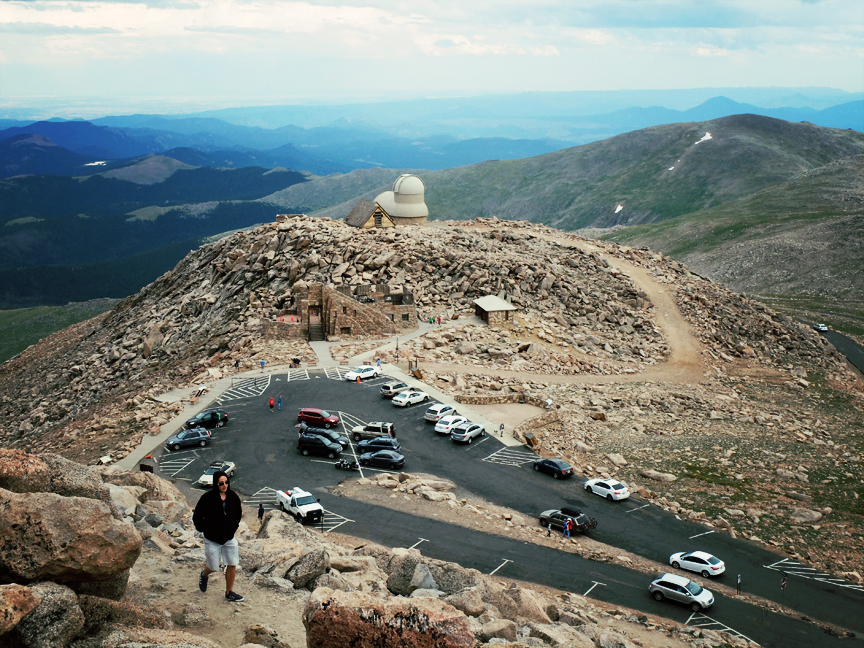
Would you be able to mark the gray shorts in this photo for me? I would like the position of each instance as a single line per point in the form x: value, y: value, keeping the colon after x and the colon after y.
x: 229, y: 553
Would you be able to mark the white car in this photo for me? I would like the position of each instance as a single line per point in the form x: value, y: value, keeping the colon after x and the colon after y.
x: 820, y: 327
x: 363, y: 373
x: 438, y: 411
x: 465, y: 432
x: 227, y: 467
x: 698, y: 561
x: 611, y: 489
x: 446, y: 423
x: 410, y: 397
x: 683, y: 590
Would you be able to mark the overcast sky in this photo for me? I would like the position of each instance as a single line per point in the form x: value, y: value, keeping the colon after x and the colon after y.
x: 243, y: 52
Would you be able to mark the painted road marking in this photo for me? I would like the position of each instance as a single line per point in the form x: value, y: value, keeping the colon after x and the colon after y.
x: 297, y: 374
x: 702, y: 621
x: 332, y: 521
x: 245, y: 388
x: 418, y: 542
x: 176, y: 464
x: 593, y: 586
x: 638, y: 508
x: 511, y: 456
x: 265, y: 496
x: 335, y: 373
x: 793, y: 568
x: 701, y: 534
x: 500, y: 566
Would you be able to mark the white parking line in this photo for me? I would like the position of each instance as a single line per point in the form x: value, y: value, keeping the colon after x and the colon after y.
x: 637, y: 508
x: 511, y: 457
x: 700, y: 534
x: 421, y: 540
x: 483, y: 440
x: 593, y: 586
x: 702, y: 621
x: 793, y: 568
x: 500, y: 566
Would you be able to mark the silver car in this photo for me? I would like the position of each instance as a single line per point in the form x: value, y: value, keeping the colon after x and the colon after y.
x: 681, y: 589
x: 466, y: 431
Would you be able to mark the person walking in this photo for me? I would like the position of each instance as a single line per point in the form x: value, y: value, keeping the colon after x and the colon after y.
x: 236, y: 365
x: 439, y: 320
x: 501, y: 430
x: 568, y: 527
x: 260, y: 512
x: 272, y: 403
x: 279, y: 403
x: 217, y: 515
x: 379, y: 363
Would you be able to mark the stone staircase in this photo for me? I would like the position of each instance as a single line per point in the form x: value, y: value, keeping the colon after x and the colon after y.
x: 316, y: 333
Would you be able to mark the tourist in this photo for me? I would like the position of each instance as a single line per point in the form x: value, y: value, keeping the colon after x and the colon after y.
x: 217, y: 515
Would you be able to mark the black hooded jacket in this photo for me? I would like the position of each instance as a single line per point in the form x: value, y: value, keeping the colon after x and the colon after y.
x: 218, y: 523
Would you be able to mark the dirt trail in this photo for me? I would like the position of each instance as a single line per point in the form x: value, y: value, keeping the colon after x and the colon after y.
x: 684, y: 364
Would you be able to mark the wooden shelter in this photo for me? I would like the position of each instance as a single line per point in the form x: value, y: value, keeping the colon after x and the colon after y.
x: 368, y: 214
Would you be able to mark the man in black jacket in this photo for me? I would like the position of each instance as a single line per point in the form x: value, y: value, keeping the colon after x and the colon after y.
x: 217, y: 515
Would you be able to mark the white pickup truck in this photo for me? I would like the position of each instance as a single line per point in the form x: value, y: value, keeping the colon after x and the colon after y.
x: 300, y: 504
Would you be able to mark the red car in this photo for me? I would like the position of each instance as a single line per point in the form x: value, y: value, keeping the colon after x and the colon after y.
x: 318, y: 417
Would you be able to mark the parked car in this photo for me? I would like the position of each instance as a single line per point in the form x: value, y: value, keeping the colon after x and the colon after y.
x: 301, y: 505
x: 678, y: 588
x: 557, y: 518
x: 698, y: 561
x: 558, y: 468
x: 313, y: 444
x: 373, y: 430
x: 410, y: 397
x: 390, y: 389
x: 211, y: 418
x: 438, y: 411
x: 332, y: 435
x: 227, y: 467
x: 362, y: 373
x: 379, y: 443
x: 466, y: 431
x: 317, y: 417
x: 186, y: 438
x: 383, y: 459
x: 446, y: 423
x: 611, y: 489
x: 820, y: 327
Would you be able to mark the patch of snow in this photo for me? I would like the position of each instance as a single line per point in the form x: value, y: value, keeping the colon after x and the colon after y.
x: 95, y: 164
x: 619, y: 208
x: 705, y: 137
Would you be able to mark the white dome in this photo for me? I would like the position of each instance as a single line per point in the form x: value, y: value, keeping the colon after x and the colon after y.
x: 408, y: 183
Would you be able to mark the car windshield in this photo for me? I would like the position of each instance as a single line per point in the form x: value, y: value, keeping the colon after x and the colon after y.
x: 693, y: 588
x: 303, y: 501
x: 184, y: 434
x: 325, y: 414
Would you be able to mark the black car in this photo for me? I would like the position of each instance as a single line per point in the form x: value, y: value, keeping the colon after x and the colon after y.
x: 186, y: 438
x: 330, y: 435
x: 557, y: 518
x: 379, y: 443
x: 383, y: 459
x: 558, y: 468
x: 313, y: 444
x: 212, y: 418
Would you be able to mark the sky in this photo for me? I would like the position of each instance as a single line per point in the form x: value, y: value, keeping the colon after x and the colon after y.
x: 215, y: 53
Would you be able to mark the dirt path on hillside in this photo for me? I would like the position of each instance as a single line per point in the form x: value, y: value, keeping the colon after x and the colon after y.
x: 684, y: 364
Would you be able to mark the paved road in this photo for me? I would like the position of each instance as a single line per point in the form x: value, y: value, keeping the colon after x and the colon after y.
x: 847, y: 346
x: 263, y: 445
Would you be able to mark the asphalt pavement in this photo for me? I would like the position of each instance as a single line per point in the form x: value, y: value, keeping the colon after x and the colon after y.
x: 263, y: 445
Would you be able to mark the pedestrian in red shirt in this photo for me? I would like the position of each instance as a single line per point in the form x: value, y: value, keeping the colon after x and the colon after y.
x: 272, y: 403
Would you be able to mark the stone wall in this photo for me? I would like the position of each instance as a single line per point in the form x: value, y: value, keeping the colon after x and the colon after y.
x: 284, y: 330
x: 503, y: 319
x: 344, y: 316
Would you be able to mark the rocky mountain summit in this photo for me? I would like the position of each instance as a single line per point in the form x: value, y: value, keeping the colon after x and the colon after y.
x: 724, y: 409
x: 301, y: 586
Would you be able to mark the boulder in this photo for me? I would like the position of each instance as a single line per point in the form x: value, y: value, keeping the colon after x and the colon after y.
x: 101, y: 612
x: 616, y: 459
x: 130, y: 637
x: 422, y: 579
x: 401, y: 570
x: 65, y: 539
x: 331, y: 581
x: 468, y: 601
x: 657, y: 476
x: 804, y: 516
x: 54, y: 623
x: 465, y: 348
x: 338, y: 619
x: 518, y: 603
x: 154, y: 488
x: 308, y: 568
x: 560, y: 635
x: 263, y: 635
x: 499, y: 629
x: 16, y: 602
x: 452, y: 577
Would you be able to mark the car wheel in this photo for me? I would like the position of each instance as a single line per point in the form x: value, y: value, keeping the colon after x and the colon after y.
x: 357, y: 437
x: 176, y: 446
x: 658, y: 596
x: 482, y: 432
x: 304, y: 452
x: 203, y: 443
x: 364, y: 463
x: 555, y: 475
x: 695, y: 607
x: 470, y: 439
x: 609, y: 497
x: 331, y: 455
x: 705, y: 573
x: 589, y: 489
x: 676, y: 565
x: 327, y: 425
x: 220, y: 424
x: 282, y: 506
x: 425, y: 398
x: 544, y: 523
x: 536, y: 467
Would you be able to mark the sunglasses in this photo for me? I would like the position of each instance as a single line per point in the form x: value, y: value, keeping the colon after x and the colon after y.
x: 222, y: 483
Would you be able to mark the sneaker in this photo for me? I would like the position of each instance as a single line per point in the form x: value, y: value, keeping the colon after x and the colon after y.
x: 233, y: 596
x: 202, y: 582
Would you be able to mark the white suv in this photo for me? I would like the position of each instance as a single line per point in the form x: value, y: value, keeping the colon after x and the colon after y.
x: 681, y: 589
x: 438, y: 411
x: 446, y: 423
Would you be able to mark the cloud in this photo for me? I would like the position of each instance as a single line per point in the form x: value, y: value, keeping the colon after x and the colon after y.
x: 46, y: 29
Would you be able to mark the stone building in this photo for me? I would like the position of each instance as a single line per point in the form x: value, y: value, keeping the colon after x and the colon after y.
x: 406, y: 203
x: 368, y: 214
x: 494, y: 310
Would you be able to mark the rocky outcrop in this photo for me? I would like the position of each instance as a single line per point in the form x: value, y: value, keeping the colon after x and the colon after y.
x: 331, y: 618
x: 16, y: 602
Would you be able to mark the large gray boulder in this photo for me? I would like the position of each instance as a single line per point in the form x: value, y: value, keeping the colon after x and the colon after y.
x: 401, y: 570
x: 422, y: 579
x: 54, y: 623
x: 308, y: 568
